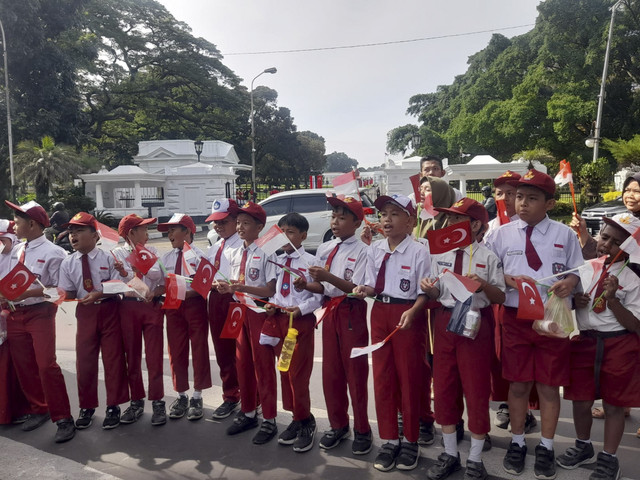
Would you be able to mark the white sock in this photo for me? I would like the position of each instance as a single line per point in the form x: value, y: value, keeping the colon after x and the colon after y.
x: 519, y: 439
x: 475, y: 452
x: 392, y: 442
x: 610, y: 454
x: 450, y: 444
x: 182, y: 394
x: 546, y: 443
x: 584, y: 441
x: 270, y: 420
x: 197, y: 394
x: 250, y: 414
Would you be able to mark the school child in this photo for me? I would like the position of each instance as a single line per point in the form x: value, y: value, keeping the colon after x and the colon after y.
x: 142, y: 318
x: 395, y: 266
x: 223, y: 215
x: 31, y: 328
x: 505, y: 186
x: 608, y: 339
x: 462, y: 364
x: 253, y: 274
x: 187, y: 324
x: 98, y: 327
x: 534, y: 247
x: 340, y: 266
x: 295, y: 382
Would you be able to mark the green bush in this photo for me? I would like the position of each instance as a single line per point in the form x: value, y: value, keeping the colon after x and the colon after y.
x: 562, y: 209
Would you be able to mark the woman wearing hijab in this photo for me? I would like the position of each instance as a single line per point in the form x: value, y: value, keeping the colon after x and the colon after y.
x: 442, y: 196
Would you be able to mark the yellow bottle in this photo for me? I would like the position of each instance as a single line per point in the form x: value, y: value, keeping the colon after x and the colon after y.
x: 288, y: 346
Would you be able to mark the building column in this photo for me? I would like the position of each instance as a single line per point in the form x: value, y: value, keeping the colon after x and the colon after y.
x: 99, y: 203
x: 137, y: 203
x: 463, y: 186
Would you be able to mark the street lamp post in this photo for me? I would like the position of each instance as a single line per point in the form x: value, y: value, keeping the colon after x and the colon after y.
x: 253, y: 132
x: 8, y: 105
x: 198, y: 144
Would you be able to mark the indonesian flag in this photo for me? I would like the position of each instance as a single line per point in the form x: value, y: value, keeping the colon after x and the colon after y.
x: 273, y: 240
x: 461, y: 287
x: 109, y: 238
x: 112, y: 287
x: 632, y: 246
x: 142, y: 259
x: 235, y: 319
x: 415, y: 184
x: 346, y: 185
x: 446, y: 239
x: 188, y: 257
x: 203, y: 278
x: 530, y: 306
x: 175, y: 291
x: 357, y: 351
x: 55, y: 295
x: 564, y: 176
x: 591, y: 271
x: 140, y: 288
x: 16, y: 282
x: 503, y: 216
x: 328, y: 308
x: 428, y: 211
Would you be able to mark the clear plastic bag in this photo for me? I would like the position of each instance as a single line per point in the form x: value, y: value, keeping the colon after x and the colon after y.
x: 557, y: 321
x: 465, y: 320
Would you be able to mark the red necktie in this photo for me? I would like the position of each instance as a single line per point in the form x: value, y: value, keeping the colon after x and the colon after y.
x: 327, y: 266
x: 600, y: 305
x: 87, y: 281
x: 380, y: 278
x: 178, y: 269
x: 285, y: 288
x: 216, y: 261
x: 530, y: 251
x: 457, y: 267
x: 243, y: 266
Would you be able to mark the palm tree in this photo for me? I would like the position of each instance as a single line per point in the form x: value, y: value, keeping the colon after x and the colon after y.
x: 46, y: 164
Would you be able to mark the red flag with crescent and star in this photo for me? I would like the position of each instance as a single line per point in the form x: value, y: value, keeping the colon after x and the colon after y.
x: 16, y: 282
x: 142, y: 259
x: 453, y: 236
x: 234, y: 321
x: 203, y: 278
x: 530, y: 306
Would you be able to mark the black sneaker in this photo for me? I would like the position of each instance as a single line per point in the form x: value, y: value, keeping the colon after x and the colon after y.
x: 179, y: 407
x: 242, y: 423
x: 34, y: 421
x: 224, y: 410
x: 487, y: 445
x: 195, y: 409
x: 159, y: 416
x: 133, y: 412
x: 85, y: 418
x: 530, y: 422
x: 306, y: 434
x: 19, y: 420
x: 513, y: 462
x: 607, y: 468
x: 66, y: 430
x: 475, y: 471
x: 267, y: 431
x: 444, y: 466
x: 386, y: 458
x: 545, y: 466
x: 581, y: 454
x: 112, y: 418
x: 288, y: 437
x: 333, y: 437
x: 427, y: 433
x: 362, y: 443
x: 502, y: 416
x: 408, y: 456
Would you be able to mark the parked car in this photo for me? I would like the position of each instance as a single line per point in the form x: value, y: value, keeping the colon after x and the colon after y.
x: 593, y: 215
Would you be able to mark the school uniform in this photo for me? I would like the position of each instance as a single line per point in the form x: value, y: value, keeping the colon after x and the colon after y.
x: 255, y: 363
x: 398, y: 365
x: 526, y: 355
x: 31, y: 332
x: 218, y: 304
x: 98, y: 329
x: 461, y: 362
x: 343, y: 329
x: 295, y: 382
x: 138, y: 320
x: 187, y: 325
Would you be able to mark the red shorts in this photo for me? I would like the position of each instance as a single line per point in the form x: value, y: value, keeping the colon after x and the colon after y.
x: 530, y: 357
x: 619, y: 372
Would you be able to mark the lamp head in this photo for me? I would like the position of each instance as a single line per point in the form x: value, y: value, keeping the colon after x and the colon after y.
x: 270, y: 70
x: 198, y: 144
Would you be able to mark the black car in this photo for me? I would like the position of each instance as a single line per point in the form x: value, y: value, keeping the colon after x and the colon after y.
x: 593, y: 215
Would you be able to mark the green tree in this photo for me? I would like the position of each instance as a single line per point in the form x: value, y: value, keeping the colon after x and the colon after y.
x: 340, y: 162
x: 625, y: 152
x: 594, y: 176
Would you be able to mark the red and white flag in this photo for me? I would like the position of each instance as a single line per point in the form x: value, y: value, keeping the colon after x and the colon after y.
x: 189, y: 258
x: 530, y: 306
x: 328, y: 308
x: 564, y: 176
x: 428, y: 211
x: 16, y: 282
x: 632, y: 246
x: 590, y: 272
x: 175, y: 291
x: 446, y: 239
x: 109, y: 238
x: 415, y: 184
x: 503, y: 216
x: 142, y: 259
x: 273, y: 240
x: 459, y: 286
x: 346, y: 185
x: 203, y: 278
x: 358, y: 351
x: 55, y: 295
x: 112, y: 287
x: 234, y: 321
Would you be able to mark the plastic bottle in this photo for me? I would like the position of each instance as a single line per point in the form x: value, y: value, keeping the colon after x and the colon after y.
x: 3, y: 325
x: 288, y: 346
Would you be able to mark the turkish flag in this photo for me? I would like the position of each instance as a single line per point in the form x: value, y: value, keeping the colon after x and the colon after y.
x: 142, y: 259
x: 503, y: 216
x: 446, y: 239
x: 203, y: 279
x: 234, y: 321
x: 530, y: 306
x: 16, y: 282
x: 175, y: 291
x: 415, y: 183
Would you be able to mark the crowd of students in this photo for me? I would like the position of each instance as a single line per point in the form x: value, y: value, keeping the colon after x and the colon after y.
x: 469, y: 351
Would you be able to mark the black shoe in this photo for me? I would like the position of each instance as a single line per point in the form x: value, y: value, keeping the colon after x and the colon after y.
x: 242, y: 423
x: 267, y: 431
x: 19, y: 420
x: 224, y: 410
x: 502, y: 416
x: 581, y: 454
x: 513, y: 462
x: 475, y: 471
x: 306, y: 434
x: 427, y: 433
x: 159, y: 416
x: 408, y: 457
x: 34, y: 421
x: 179, y: 407
x: 386, y: 458
x: 530, y: 422
x: 487, y: 443
x: 288, y: 437
x: 66, y: 430
x: 195, y: 409
x: 607, y: 468
x: 459, y: 431
x: 445, y: 466
x: 362, y: 443
x: 545, y: 466
x: 133, y: 412
x: 85, y: 418
x: 112, y: 418
x: 333, y: 437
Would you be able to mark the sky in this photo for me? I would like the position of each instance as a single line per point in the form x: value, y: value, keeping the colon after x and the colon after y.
x: 351, y: 96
